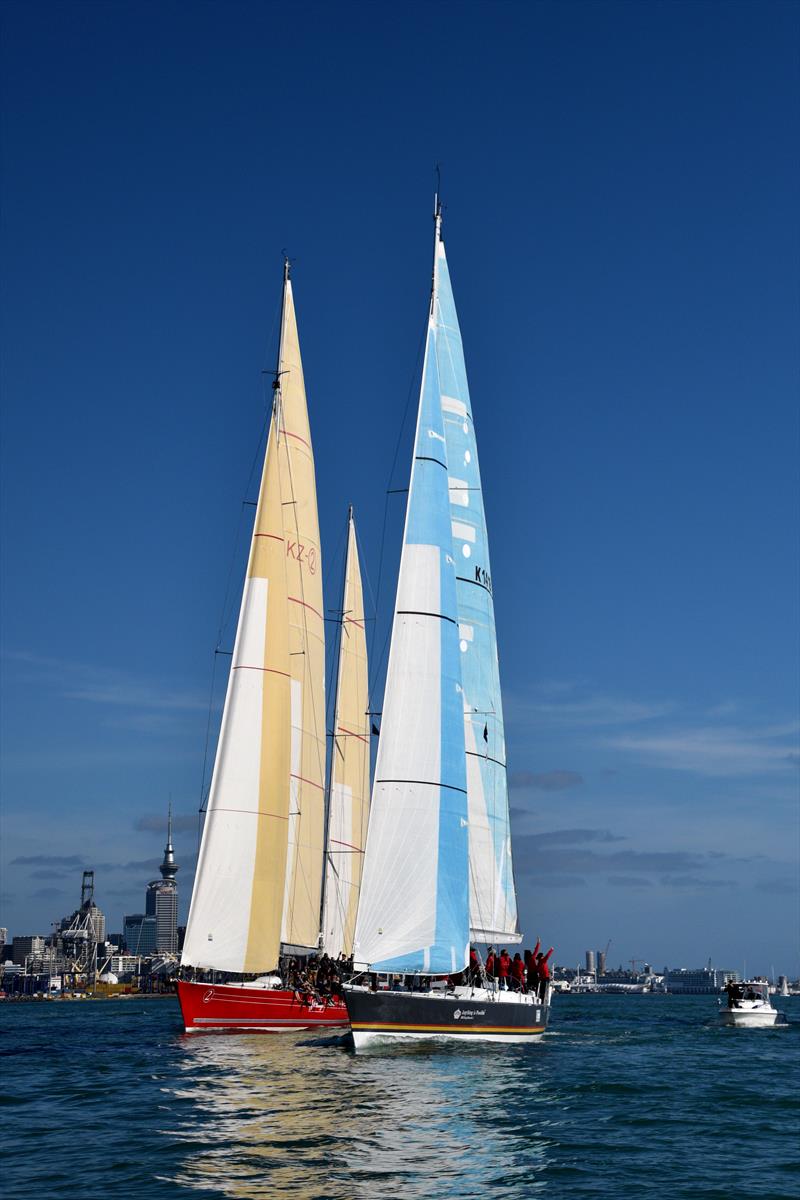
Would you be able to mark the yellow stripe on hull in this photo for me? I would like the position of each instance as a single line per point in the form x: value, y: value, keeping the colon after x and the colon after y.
x: 397, y: 1027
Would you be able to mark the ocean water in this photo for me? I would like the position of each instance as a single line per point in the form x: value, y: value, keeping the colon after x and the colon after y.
x: 641, y: 1096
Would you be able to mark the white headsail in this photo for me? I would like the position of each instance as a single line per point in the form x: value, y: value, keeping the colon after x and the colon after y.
x: 348, y: 804
x: 413, y: 913
x: 237, y: 901
x: 303, y: 893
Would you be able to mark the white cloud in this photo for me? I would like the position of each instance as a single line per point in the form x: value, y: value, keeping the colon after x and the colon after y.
x: 723, y: 750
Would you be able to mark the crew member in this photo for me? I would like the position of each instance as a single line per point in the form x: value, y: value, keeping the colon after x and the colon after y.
x: 543, y: 972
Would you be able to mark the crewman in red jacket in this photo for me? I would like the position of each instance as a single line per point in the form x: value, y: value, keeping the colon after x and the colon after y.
x: 518, y: 974
x: 543, y: 972
x: 504, y: 969
x: 491, y: 964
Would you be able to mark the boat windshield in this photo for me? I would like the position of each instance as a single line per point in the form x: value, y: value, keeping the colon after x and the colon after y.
x: 746, y: 991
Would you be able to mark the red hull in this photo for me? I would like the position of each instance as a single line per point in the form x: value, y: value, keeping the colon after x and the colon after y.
x: 233, y: 1007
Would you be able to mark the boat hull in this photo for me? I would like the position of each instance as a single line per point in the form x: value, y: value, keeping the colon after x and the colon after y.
x: 394, y: 1016
x: 749, y: 1018
x: 235, y: 1008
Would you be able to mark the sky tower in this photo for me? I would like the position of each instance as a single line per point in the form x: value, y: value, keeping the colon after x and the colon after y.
x: 162, y: 899
x: 169, y: 867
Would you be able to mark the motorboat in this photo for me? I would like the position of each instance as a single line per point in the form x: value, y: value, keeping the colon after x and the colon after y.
x: 748, y: 1005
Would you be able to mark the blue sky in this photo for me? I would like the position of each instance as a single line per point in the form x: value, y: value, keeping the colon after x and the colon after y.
x: 621, y: 187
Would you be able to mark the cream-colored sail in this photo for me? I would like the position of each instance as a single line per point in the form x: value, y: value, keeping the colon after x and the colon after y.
x: 348, y: 805
x: 303, y: 890
x: 237, y: 902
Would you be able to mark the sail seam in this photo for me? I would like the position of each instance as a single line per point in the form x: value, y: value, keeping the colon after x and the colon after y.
x: 296, y: 436
x: 310, y: 782
x: 484, y: 757
x: 427, y: 458
x: 248, y: 812
x: 425, y: 783
x: 413, y: 612
x: 294, y: 600
x: 269, y: 670
x: 464, y: 579
x: 352, y: 733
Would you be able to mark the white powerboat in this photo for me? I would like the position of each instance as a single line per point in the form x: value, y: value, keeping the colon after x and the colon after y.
x: 748, y: 1005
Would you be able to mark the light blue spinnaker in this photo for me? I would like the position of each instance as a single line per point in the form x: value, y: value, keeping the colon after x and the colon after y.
x: 493, y: 905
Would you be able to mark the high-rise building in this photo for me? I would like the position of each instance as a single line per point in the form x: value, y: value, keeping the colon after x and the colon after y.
x: 161, y: 899
x: 140, y: 934
x: 29, y: 948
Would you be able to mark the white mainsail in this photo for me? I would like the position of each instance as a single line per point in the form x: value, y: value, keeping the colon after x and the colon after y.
x: 413, y: 913
x: 348, y: 803
x: 493, y: 904
x: 237, y: 903
x: 303, y: 885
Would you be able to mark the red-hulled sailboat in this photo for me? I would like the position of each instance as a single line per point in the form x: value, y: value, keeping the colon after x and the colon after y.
x: 280, y: 862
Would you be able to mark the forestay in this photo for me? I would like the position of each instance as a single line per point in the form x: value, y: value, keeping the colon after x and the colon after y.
x: 413, y: 913
x: 493, y: 905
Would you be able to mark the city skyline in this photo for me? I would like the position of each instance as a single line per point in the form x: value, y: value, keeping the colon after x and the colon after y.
x: 620, y: 218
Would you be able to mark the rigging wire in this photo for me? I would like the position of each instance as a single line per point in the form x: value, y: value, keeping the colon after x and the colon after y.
x: 362, y: 560
x: 224, y: 614
x: 375, y: 667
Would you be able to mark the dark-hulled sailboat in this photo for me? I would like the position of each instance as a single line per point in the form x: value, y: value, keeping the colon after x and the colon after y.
x: 438, y: 871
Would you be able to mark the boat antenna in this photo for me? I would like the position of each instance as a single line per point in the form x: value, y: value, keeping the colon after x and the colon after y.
x: 278, y: 372
x: 437, y: 232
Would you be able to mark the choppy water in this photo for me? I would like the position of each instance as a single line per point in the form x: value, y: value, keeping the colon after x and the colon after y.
x: 635, y: 1095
